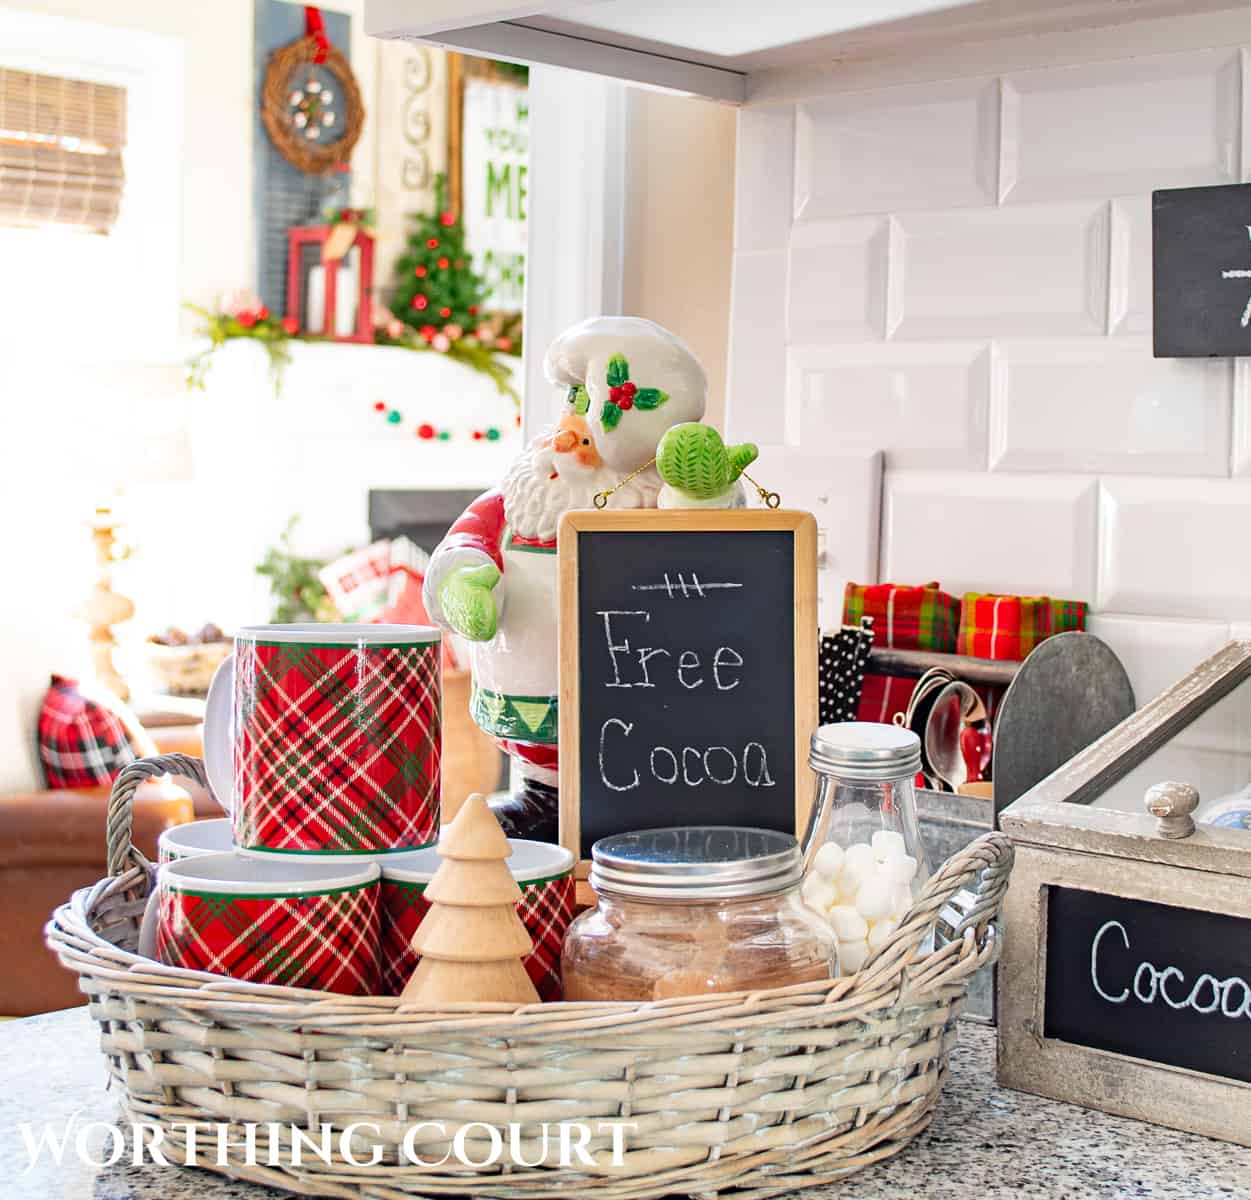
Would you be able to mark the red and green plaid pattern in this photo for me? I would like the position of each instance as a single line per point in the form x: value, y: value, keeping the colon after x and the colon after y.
x: 81, y: 743
x: 905, y: 618
x: 1009, y: 627
x: 337, y: 747
x: 327, y: 941
x: 545, y: 909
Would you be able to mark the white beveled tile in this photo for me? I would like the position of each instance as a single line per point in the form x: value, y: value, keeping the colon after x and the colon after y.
x: 1104, y: 404
x: 1130, y: 285
x: 877, y: 151
x: 843, y: 491
x: 756, y: 377
x: 1175, y: 547
x: 1031, y: 535
x: 1157, y: 651
x: 1241, y: 456
x: 1215, y: 773
x: 763, y: 195
x: 836, y: 280
x: 923, y: 403
x: 1100, y: 129
x: 1028, y: 271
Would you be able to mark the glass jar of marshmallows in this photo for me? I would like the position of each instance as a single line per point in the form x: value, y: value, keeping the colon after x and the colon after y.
x: 865, y: 860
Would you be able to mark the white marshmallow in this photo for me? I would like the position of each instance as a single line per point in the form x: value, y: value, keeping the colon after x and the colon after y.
x: 880, y: 931
x: 852, y: 956
x: 900, y: 869
x: 828, y: 861
x: 819, y: 894
x: 858, y: 865
x: 902, y: 901
x: 875, y: 899
x: 888, y: 844
x: 847, y: 923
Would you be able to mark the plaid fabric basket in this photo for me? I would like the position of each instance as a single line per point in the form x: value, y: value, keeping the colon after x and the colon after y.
x: 82, y: 743
x: 1009, y: 627
x: 904, y: 618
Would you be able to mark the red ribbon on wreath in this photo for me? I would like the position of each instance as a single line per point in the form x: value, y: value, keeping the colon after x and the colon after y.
x: 315, y: 27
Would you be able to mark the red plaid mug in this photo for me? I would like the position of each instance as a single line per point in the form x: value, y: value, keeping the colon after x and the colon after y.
x: 194, y: 838
x: 326, y: 739
x: 295, y: 922
x: 542, y: 871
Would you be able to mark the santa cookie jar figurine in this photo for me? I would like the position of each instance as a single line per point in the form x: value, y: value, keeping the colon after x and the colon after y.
x: 624, y: 381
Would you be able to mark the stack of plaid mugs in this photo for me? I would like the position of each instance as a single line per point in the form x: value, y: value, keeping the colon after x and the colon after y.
x: 323, y: 743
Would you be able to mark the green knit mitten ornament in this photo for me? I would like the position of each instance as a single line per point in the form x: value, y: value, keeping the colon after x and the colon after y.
x: 467, y: 602
x: 693, y: 459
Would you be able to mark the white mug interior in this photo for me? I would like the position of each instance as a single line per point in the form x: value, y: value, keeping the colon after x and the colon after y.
x: 236, y: 874
x: 211, y: 836
x: 529, y: 861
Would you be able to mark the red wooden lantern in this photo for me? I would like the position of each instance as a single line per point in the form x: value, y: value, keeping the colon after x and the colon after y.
x: 330, y: 277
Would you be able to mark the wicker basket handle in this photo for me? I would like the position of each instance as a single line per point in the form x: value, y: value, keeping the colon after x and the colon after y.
x: 121, y: 850
x: 972, y: 882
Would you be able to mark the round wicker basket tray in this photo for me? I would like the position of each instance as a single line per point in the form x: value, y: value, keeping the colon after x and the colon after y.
x: 750, y: 1094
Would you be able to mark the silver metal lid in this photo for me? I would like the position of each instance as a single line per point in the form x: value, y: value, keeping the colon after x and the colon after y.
x: 695, y: 864
x: 865, y: 752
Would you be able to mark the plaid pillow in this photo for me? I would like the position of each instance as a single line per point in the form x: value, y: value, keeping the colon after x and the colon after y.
x: 1009, y: 627
x: 82, y: 743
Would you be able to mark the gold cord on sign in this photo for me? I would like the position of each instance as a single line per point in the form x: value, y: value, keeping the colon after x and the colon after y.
x: 600, y: 499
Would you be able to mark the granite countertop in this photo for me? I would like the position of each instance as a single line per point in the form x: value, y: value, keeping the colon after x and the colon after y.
x: 985, y: 1141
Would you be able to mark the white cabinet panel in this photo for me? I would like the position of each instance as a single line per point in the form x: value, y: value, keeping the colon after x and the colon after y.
x: 922, y: 403
x: 1101, y: 129
x: 1026, y: 271
x: 836, y: 280
x: 755, y: 398
x: 1023, y: 534
x: 1175, y: 547
x: 878, y: 151
x: 1090, y: 404
x: 763, y: 199
x: 1157, y: 651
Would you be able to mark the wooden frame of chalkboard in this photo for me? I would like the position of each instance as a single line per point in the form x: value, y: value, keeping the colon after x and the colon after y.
x: 1125, y: 979
x: 753, y: 780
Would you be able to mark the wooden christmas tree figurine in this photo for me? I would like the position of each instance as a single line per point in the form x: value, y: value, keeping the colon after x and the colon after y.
x: 471, y: 941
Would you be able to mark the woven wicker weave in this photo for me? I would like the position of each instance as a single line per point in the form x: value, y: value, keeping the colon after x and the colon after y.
x: 752, y: 1094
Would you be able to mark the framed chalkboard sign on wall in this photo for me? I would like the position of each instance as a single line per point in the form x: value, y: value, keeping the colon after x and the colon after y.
x: 1201, y: 270
x: 688, y: 670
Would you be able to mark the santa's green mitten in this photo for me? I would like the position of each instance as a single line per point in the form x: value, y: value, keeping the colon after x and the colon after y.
x: 467, y: 602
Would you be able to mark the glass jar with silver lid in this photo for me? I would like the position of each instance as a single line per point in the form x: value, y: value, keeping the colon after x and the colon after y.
x: 688, y: 911
x: 865, y: 860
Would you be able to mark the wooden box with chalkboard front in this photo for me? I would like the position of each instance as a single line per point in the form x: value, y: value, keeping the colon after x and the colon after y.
x: 1125, y: 979
x: 688, y: 670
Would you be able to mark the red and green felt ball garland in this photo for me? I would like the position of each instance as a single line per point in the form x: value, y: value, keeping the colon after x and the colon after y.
x: 432, y: 433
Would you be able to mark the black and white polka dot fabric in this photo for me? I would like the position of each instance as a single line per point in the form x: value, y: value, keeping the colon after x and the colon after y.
x: 840, y: 672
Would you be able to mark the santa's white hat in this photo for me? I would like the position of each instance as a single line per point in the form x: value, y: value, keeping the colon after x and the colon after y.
x: 606, y: 353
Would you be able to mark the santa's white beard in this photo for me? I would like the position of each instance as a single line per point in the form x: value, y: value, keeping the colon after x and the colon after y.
x: 534, y: 502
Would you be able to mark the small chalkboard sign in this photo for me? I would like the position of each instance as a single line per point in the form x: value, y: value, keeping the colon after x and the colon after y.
x: 1152, y: 981
x: 1201, y: 267
x: 688, y: 670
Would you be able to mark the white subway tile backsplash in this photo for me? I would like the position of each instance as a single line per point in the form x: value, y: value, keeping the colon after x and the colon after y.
x: 756, y: 375
x: 1033, y: 535
x: 763, y: 197
x: 1107, y: 128
x: 878, y: 151
x: 1129, y: 269
x: 923, y: 403
x: 1029, y: 271
x: 1104, y: 404
x: 1157, y: 651
x: 836, y: 280
x: 1175, y: 547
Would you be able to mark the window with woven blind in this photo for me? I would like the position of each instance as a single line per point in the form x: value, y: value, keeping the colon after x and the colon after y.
x: 61, y: 143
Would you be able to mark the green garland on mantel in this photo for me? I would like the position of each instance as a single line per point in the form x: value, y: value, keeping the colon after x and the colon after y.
x: 242, y: 315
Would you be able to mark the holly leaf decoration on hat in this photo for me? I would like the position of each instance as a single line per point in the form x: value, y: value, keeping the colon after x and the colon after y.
x: 624, y: 395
